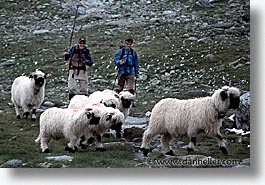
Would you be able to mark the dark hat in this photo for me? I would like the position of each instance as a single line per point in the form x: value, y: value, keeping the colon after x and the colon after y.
x: 82, y: 39
x: 129, y: 40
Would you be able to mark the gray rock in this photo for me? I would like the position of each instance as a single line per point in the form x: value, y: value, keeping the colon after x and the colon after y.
x: 45, y: 165
x: 205, y: 40
x: 60, y: 158
x: 8, y: 63
x: 242, y: 115
x: 245, y: 163
x: 136, y: 121
x: 37, y: 32
x: 223, y: 25
x: 49, y: 104
x: 12, y: 163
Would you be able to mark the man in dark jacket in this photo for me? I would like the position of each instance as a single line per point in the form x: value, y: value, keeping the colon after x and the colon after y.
x: 80, y: 57
x: 126, y: 60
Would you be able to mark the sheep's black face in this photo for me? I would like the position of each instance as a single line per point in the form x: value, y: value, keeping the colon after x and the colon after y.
x: 126, y: 103
x: 234, y: 102
x: 94, y: 120
x: 39, y: 81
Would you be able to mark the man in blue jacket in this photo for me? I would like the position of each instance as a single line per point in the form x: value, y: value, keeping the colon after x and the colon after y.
x: 126, y: 60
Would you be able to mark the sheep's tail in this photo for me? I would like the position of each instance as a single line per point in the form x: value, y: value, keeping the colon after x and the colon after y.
x: 38, y: 139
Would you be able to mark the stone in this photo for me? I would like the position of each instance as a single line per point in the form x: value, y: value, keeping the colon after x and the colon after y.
x: 242, y: 115
x: 13, y: 163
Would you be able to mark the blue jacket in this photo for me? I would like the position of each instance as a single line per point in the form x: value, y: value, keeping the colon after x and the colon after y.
x: 130, y: 59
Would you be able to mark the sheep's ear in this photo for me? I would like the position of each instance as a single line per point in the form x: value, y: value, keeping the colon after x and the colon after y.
x: 223, y: 95
x: 108, y: 117
x: 122, y: 98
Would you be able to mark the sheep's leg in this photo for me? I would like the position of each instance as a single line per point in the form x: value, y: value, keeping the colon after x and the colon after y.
x: 44, y: 144
x: 221, y: 143
x: 71, y: 146
x: 165, y: 144
x: 17, y: 111
x: 26, y: 111
x: 192, y: 144
x: 85, y: 141
x: 33, y: 116
x: 147, y: 138
x: 99, y: 145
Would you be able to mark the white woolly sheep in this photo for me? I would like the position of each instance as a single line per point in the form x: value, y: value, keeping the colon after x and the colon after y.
x: 110, y: 119
x: 176, y: 118
x: 28, y: 93
x: 125, y: 102
x: 107, y: 97
x: 80, y: 102
x: 56, y: 123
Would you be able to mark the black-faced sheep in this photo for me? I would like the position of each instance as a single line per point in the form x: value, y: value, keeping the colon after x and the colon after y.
x: 126, y: 100
x: 56, y: 123
x: 28, y: 93
x: 111, y: 118
x: 176, y: 118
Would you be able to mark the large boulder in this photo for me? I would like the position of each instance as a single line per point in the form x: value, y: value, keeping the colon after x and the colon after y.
x: 242, y: 115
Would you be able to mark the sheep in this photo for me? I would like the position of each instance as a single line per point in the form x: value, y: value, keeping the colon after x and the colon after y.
x: 107, y: 97
x: 28, y: 93
x: 110, y: 119
x: 80, y: 102
x: 176, y: 118
x: 56, y: 123
x: 125, y: 102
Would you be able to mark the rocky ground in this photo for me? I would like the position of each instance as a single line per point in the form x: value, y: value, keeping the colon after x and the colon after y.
x: 186, y: 49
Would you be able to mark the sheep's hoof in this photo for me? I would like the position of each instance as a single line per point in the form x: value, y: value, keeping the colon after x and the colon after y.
x: 83, y: 146
x: 25, y: 115
x: 190, y: 150
x: 76, y: 148
x: 47, y: 151
x: 118, y: 135
x: 70, y: 150
x: 145, y: 151
x: 170, y: 152
x: 101, y: 149
x: 90, y: 140
x: 33, y: 119
x: 18, y: 117
x: 224, y: 150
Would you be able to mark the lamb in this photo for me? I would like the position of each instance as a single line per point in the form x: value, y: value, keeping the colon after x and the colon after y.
x: 28, y: 93
x: 56, y: 123
x: 176, y: 118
